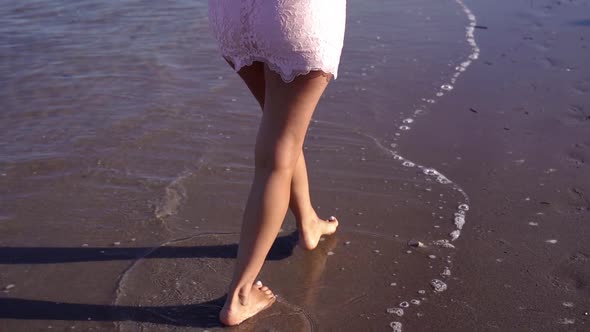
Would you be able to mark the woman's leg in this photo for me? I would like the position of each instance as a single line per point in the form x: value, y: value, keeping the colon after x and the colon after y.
x: 310, y: 226
x: 287, y: 112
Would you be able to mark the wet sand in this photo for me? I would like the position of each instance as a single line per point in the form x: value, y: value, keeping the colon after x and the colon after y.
x: 125, y: 173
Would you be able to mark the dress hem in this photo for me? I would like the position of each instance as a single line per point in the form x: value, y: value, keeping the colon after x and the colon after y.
x: 240, y: 63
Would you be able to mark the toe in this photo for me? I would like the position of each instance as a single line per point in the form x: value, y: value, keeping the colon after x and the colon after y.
x: 264, y: 288
x: 333, y: 221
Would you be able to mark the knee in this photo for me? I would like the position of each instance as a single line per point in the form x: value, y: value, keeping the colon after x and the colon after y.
x: 280, y: 156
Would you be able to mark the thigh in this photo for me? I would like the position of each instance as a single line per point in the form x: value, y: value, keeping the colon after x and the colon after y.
x: 288, y: 109
x: 253, y: 76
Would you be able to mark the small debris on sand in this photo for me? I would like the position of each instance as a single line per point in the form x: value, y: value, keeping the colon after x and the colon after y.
x: 446, y: 272
x: 415, y: 243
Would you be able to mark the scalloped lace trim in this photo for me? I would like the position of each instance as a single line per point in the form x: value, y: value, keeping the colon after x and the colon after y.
x: 287, y: 74
x: 293, y: 37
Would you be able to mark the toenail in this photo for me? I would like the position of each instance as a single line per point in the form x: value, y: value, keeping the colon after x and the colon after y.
x: 258, y: 283
x: 332, y: 218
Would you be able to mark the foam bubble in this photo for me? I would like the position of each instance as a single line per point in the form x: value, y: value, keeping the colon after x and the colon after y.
x: 463, y: 207
x: 415, y: 302
x: 404, y: 304
x: 567, y: 321
x: 459, y: 222
x: 408, y: 120
x: 442, y: 179
x: 396, y: 311
x: 455, y: 234
x: 438, y: 285
x: 396, y: 326
x: 444, y: 243
x: 568, y: 304
x: 404, y: 128
x: 439, y: 94
x: 447, y: 87
x: 552, y: 241
x: 408, y: 164
x: 430, y: 171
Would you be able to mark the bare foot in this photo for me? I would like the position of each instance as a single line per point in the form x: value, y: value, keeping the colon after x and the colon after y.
x: 311, y: 230
x: 260, y: 298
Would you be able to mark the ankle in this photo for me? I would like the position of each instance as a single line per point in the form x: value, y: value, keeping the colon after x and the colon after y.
x: 239, y: 295
x: 305, y: 215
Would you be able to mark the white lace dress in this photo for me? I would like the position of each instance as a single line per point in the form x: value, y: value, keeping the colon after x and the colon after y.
x: 293, y: 37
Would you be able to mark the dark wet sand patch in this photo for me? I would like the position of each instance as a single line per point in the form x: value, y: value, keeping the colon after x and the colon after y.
x: 357, y: 275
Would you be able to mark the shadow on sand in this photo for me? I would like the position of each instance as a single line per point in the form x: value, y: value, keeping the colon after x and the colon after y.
x: 282, y: 248
x: 202, y: 315
x: 196, y: 315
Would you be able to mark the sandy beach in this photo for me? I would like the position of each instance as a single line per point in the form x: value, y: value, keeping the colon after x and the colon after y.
x: 454, y: 149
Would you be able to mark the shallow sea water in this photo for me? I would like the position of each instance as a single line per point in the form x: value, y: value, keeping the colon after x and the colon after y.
x: 121, y: 118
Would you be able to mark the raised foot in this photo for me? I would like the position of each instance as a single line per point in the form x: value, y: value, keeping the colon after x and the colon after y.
x: 312, y: 229
x: 260, y: 298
